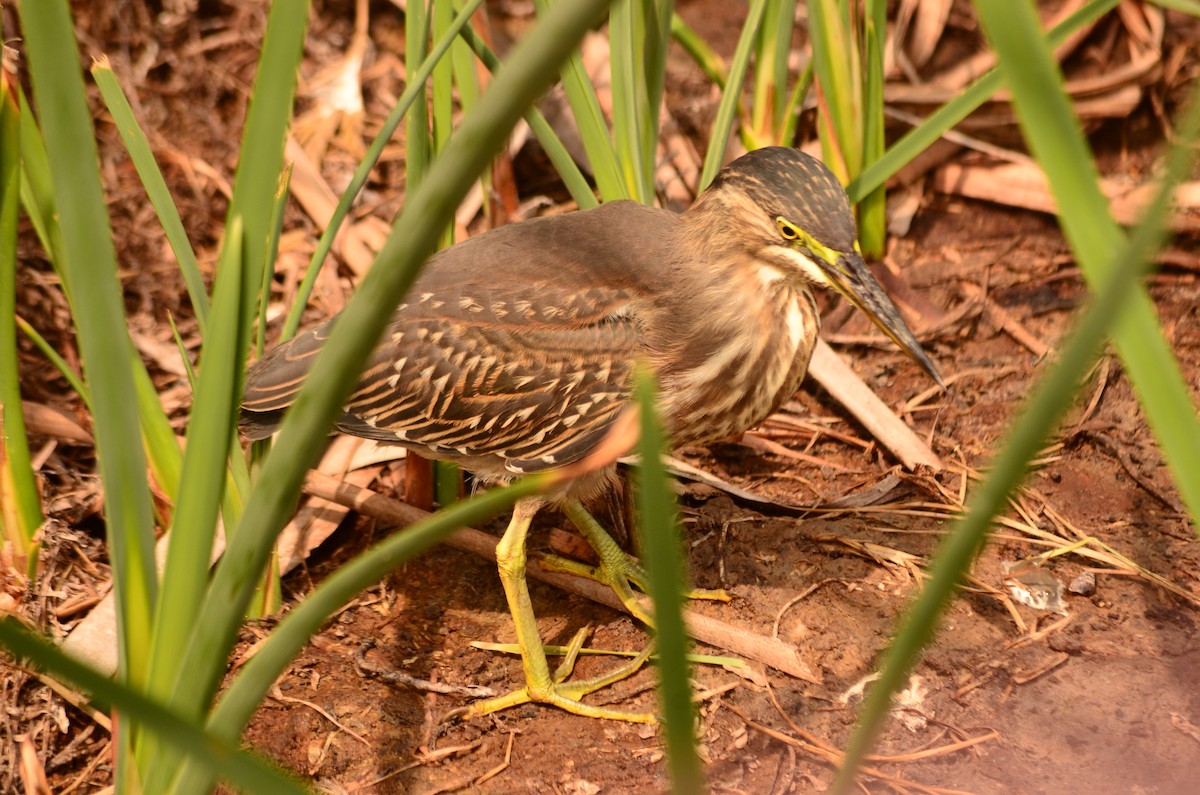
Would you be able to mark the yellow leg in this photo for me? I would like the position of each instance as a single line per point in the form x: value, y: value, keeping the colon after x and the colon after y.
x: 540, y: 686
x: 616, y: 570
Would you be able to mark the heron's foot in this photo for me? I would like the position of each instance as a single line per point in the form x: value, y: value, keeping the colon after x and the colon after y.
x: 622, y: 573
x: 557, y: 692
x: 618, y: 571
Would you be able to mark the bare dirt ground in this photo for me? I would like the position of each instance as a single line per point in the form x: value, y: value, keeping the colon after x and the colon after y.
x: 1105, y: 699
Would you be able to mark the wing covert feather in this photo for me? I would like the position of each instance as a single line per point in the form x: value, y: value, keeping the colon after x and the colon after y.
x: 516, y: 345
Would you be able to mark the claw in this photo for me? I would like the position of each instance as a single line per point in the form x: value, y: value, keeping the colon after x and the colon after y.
x: 565, y: 695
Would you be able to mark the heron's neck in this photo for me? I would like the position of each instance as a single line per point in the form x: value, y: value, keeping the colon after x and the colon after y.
x: 747, y: 334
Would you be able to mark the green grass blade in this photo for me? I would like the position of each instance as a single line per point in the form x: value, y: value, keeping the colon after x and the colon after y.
x: 200, y: 493
x: 944, y: 118
x: 791, y: 111
x: 466, y: 74
x: 105, y: 347
x: 872, y: 209
x: 254, y: 681
x: 589, y: 118
x: 20, y: 504
x: 835, y: 58
x: 662, y: 546
x: 526, y: 74
x: 774, y: 46
x: 417, y: 153
x: 238, y: 483
x: 1050, y: 399
x: 566, y: 167
x: 222, y: 757
x: 414, y: 89
x: 158, y: 437
x: 1056, y: 140
x: 37, y: 185
x: 156, y: 187
x: 261, y: 159
x: 732, y: 94
x: 60, y: 364
x: 214, y: 413
x: 638, y: 31
x: 623, y: 55
x: 184, y: 357
x: 442, y: 14
x: 263, y: 295
x: 260, y: 165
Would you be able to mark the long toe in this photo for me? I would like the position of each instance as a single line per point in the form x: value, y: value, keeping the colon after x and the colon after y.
x: 566, y: 695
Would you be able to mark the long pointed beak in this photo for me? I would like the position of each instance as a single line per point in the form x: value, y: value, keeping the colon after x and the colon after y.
x: 853, y: 279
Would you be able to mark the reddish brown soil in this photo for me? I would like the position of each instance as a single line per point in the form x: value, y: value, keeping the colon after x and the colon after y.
x: 1115, y: 709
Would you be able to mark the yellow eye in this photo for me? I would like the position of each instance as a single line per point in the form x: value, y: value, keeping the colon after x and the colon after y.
x: 788, y: 231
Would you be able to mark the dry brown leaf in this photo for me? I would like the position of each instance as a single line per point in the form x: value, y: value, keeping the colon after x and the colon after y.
x: 46, y: 421
x: 1025, y: 186
x: 848, y: 389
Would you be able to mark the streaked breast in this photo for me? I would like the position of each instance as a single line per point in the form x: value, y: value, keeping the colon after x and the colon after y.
x: 747, y: 376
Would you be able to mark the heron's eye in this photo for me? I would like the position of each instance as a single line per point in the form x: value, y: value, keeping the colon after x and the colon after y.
x: 788, y: 231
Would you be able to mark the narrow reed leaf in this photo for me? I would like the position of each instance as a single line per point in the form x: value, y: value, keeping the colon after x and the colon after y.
x: 88, y: 257
x: 20, y: 503
x: 156, y: 187
x: 262, y: 297
x: 1049, y: 401
x: 944, y: 118
x: 565, y: 165
x: 773, y: 48
x: 440, y: 18
x: 158, y: 437
x: 417, y: 152
x: 1056, y: 139
x: 37, y: 186
x: 214, y: 414
x: 835, y: 63
x: 526, y: 74
x: 626, y: 54
x: 222, y: 757
x: 589, y: 118
x: 466, y: 67
x: 872, y: 209
x: 791, y: 111
x: 731, y: 96
x: 202, y: 475
x: 414, y: 89
x: 188, y: 369
x: 60, y: 364
x: 662, y: 546
x: 260, y: 161
x: 638, y: 32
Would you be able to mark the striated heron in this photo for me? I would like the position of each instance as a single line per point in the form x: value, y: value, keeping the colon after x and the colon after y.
x: 514, y: 350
